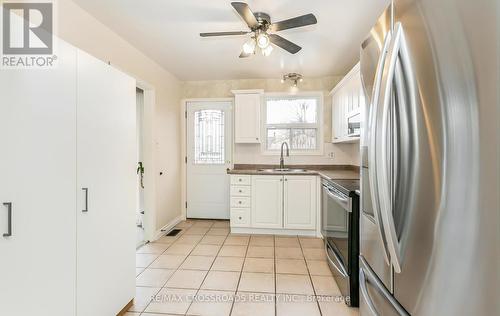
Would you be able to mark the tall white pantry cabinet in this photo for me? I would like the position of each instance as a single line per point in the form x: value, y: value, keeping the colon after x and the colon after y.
x: 67, y: 188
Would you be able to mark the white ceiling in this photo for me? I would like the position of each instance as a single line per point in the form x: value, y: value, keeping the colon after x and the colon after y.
x: 168, y: 32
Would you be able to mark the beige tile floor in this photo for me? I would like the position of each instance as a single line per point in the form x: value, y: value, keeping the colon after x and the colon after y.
x: 206, y: 271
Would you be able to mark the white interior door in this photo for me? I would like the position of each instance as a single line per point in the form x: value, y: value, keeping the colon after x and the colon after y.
x: 107, y: 164
x: 38, y: 176
x: 209, y: 141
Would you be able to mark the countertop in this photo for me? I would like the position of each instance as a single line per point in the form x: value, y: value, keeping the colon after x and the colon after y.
x: 330, y: 172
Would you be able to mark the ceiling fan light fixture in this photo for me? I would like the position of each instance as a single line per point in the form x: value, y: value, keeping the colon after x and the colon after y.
x: 249, y: 46
x: 260, y: 25
x: 263, y: 40
x: 267, y: 51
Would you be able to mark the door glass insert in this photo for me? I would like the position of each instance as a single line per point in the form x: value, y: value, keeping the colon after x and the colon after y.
x: 209, y: 137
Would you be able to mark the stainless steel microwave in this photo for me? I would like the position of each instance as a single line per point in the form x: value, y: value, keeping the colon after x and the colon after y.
x: 354, y: 125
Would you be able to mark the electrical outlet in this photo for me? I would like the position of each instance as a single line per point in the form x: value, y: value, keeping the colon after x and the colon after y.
x: 331, y: 154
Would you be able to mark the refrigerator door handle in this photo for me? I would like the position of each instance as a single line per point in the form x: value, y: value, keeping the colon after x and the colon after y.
x: 398, y: 48
x: 372, y: 148
x: 366, y: 275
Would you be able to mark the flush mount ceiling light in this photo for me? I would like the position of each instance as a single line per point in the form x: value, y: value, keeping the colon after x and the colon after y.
x: 293, y: 77
x: 263, y: 31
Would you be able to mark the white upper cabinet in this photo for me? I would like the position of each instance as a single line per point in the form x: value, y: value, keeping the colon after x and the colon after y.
x: 247, y: 105
x: 300, y: 202
x: 347, y: 99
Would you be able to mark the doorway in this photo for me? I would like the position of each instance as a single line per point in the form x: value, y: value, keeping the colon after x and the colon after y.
x: 140, y: 236
x: 209, y: 150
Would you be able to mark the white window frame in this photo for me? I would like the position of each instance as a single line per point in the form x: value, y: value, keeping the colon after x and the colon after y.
x: 319, y: 125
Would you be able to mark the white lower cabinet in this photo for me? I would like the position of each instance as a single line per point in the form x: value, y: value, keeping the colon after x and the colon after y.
x: 277, y: 202
x: 69, y: 252
x: 240, y: 200
x: 300, y: 202
x: 240, y: 217
x: 267, y: 201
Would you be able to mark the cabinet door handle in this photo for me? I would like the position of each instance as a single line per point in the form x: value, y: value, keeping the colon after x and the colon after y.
x: 86, y: 209
x: 9, y: 219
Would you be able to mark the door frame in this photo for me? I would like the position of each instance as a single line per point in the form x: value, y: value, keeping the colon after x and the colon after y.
x: 149, y: 219
x: 184, y: 104
x: 148, y: 154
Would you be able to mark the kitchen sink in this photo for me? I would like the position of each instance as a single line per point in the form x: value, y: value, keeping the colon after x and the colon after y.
x: 283, y: 170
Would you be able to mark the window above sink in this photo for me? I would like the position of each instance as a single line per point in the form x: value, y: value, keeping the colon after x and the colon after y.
x: 295, y: 119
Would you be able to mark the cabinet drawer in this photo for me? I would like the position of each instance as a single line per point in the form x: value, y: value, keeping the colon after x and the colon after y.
x: 241, y: 190
x: 240, y: 217
x: 241, y: 179
x: 240, y: 201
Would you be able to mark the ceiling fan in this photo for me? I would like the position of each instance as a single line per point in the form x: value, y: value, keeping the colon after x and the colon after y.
x: 263, y: 31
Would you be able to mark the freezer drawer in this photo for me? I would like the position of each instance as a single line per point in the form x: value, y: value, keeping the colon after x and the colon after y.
x: 372, y: 249
x: 375, y: 298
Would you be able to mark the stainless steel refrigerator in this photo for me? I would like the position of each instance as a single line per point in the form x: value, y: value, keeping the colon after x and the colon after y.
x: 429, y: 241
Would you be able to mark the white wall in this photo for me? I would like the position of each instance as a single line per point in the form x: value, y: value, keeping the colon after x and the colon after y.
x: 82, y: 30
x: 251, y: 153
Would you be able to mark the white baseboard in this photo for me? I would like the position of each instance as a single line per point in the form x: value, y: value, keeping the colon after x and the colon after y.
x: 270, y: 231
x: 162, y: 231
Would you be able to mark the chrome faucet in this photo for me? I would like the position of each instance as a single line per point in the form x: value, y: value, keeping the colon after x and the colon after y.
x: 282, y: 160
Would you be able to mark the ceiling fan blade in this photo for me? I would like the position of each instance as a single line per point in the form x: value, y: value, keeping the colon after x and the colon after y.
x: 299, y: 21
x: 246, y: 14
x: 245, y: 55
x: 284, y: 43
x: 223, y: 33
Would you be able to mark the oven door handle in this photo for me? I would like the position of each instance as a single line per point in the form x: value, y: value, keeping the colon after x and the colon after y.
x: 340, y: 268
x: 339, y: 199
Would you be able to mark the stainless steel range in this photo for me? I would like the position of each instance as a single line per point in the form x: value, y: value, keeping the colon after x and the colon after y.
x: 340, y: 229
